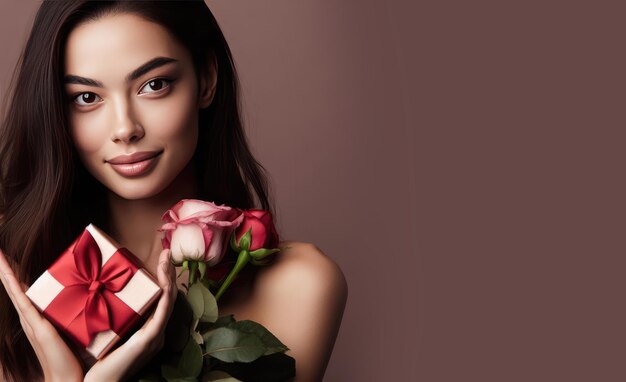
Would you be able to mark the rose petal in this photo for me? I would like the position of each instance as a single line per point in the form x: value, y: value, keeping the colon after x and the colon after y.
x: 261, y: 215
x: 216, y: 249
x: 190, y: 207
x: 257, y: 234
x: 209, y: 236
x: 187, y: 243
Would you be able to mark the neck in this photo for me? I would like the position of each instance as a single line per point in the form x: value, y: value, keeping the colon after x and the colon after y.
x: 134, y: 223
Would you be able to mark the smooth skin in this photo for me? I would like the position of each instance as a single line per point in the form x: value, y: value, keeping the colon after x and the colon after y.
x: 300, y: 297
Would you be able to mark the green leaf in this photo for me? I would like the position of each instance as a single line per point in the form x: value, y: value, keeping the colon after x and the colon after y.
x: 224, y: 320
x: 194, y: 324
x: 270, y: 341
x: 233, y: 242
x: 210, y: 312
x: 231, y: 345
x: 260, y: 262
x: 170, y: 373
x: 244, y: 242
x: 202, y: 268
x: 196, y: 300
x: 184, y: 268
x: 263, y: 252
x: 190, y: 362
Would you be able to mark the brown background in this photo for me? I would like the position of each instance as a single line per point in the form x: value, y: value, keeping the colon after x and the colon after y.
x: 463, y: 162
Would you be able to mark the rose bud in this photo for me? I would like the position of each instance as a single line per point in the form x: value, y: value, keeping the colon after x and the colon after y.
x: 263, y: 234
x: 254, y: 240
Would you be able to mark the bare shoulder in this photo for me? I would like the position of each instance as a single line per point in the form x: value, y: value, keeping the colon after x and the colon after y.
x: 307, y: 268
x: 302, y: 296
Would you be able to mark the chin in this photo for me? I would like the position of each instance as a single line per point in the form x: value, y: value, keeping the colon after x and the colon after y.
x: 142, y: 190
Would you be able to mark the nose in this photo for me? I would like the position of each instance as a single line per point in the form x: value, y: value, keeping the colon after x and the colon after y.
x: 127, y: 128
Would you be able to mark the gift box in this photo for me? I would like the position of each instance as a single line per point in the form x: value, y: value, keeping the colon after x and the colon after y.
x: 94, y: 292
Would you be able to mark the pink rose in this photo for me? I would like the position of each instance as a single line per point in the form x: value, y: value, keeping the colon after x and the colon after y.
x: 199, y: 230
x: 263, y: 233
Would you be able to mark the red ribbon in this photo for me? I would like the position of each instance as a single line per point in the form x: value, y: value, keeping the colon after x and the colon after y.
x: 87, y: 305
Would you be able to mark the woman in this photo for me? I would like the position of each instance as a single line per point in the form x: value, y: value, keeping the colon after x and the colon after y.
x: 98, y: 81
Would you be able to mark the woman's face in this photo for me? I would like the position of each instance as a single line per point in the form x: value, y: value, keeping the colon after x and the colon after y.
x: 131, y: 89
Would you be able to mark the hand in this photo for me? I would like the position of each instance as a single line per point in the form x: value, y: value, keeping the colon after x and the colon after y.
x: 128, y: 359
x: 57, y: 361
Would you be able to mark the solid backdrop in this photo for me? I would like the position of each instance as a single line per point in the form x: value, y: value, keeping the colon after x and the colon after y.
x: 463, y: 163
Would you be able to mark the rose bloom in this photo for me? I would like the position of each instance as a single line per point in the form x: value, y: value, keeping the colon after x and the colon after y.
x: 199, y: 230
x: 263, y: 233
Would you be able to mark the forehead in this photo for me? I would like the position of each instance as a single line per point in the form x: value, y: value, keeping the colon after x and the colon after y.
x: 114, y: 45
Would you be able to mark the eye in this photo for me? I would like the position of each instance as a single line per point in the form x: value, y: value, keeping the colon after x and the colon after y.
x: 157, y: 85
x: 87, y: 98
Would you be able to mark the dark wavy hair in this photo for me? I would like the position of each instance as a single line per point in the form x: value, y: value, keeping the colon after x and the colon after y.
x: 43, y: 183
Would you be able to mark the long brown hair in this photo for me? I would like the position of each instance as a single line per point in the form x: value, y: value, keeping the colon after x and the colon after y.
x: 47, y: 197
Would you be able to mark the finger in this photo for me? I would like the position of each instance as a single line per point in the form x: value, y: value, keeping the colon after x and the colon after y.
x: 19, y: 299
x: 23, y: 321
x: 11, y: 284
x: 7, y: 287
x: 6, y: 273
x: 5, y: 268
x: 15, y: 290
x: 166, y: 275
x: 4, y: 265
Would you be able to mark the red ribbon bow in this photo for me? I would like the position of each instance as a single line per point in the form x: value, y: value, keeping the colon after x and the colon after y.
x: 87, y: 305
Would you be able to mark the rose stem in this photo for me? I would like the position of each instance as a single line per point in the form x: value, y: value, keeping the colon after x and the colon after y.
x: 193, y: 266
x: 242, y: 260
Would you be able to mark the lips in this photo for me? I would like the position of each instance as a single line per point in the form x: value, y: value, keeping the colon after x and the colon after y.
x: 135, y: 164
x: 134, y: 157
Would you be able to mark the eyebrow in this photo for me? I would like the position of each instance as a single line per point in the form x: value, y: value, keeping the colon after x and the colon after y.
x: 140, y: 71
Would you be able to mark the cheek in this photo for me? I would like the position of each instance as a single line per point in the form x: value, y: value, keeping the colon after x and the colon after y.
x: 88, y: 137
x: 174, y: 124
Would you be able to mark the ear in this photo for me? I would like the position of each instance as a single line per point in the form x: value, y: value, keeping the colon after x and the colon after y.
x: 207, y: 84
